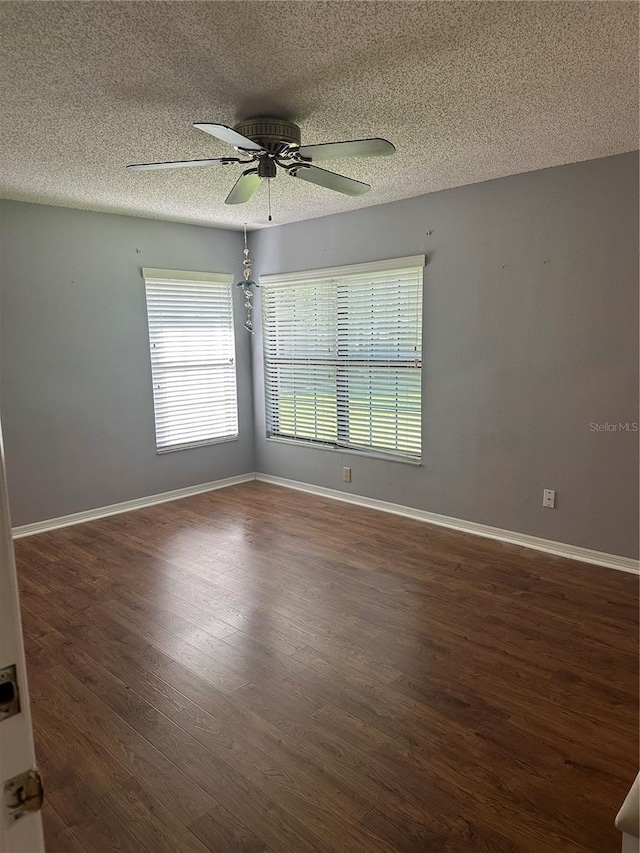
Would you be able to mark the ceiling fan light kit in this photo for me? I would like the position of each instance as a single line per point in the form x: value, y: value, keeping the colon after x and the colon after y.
x: 273, y: 143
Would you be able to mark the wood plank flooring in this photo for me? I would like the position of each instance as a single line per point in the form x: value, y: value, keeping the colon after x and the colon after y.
x: 257, y: 670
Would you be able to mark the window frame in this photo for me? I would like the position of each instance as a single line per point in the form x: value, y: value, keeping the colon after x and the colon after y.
x: 175, y: 277
x: 307, y: 277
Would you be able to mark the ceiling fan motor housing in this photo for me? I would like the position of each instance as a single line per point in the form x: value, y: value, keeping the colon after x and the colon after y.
x: 274, y: 134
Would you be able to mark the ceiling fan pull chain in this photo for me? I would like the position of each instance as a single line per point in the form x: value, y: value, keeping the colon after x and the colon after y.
x: 269, y: 194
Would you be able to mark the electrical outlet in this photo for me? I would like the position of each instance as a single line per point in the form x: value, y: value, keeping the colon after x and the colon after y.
x: 549, y: 498
x: 346, y: 475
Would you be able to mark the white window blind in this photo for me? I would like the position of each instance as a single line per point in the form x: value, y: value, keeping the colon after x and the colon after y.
x: 193, y: 367
x: 343, y: 356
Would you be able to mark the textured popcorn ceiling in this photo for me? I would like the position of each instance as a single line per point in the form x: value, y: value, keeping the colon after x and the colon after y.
x: 466, y: 92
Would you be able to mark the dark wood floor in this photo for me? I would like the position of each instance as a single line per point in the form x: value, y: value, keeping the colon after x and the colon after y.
x: 261, y: 671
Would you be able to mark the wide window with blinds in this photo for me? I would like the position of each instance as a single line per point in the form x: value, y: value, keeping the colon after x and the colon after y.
x: 343, y: 356
x: 193, y: 363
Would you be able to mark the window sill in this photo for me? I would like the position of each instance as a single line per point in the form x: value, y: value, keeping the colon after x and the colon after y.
x: 369, y: 454
x: 177, y: 447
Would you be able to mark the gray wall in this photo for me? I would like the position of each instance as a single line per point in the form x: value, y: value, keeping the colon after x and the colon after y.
x: 76, y: 397
x: 530, y: 335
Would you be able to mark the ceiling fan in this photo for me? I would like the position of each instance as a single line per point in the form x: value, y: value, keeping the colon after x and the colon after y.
x: 272, y: 143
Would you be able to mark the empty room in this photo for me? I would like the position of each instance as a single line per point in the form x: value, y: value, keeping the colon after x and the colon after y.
x: 319, y: 398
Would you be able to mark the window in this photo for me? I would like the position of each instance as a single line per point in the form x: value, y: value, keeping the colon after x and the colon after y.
x: 193, y: 363
x: 343, y: 356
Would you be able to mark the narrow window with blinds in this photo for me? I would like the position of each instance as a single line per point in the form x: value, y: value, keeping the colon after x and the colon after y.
x: 343, y: 356
x: 193, y: 363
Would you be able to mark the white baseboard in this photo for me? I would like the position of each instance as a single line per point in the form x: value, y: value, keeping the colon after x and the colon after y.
x: 559, y: 549
x: 126, y: 506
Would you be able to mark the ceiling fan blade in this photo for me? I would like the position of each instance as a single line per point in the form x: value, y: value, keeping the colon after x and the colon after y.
x: 180, y: 164
x: 228, y: 134
x: 244, y: 187
x: 351, y: 148
x: 330, y: 180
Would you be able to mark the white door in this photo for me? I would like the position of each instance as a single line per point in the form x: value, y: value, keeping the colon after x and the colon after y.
x: 17, y: 756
